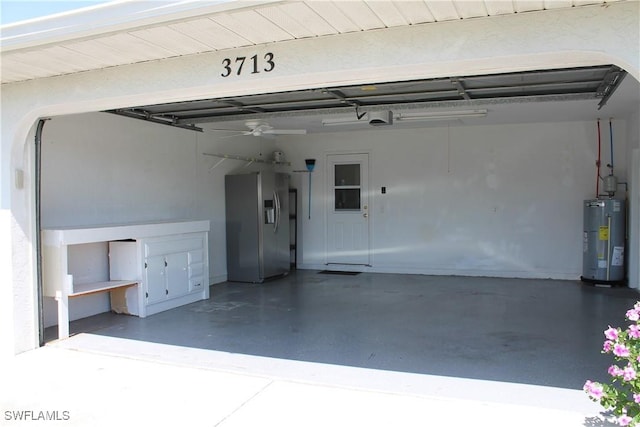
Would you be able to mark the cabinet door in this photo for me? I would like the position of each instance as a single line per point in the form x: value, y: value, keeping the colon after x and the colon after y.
x: 196, y: 270
x: 155, y: 275
x: 177, y: 274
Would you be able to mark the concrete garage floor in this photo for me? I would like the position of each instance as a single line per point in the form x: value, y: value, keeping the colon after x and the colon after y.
x: 324, y: 350
x: 539, y: 332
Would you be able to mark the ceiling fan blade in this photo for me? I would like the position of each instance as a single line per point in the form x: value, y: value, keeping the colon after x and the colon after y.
x: 230, y: 136
x: 286, y: 131
x: 226, y: 130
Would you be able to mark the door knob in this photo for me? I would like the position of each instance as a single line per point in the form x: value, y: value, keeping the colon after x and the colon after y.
x: 366, y: 215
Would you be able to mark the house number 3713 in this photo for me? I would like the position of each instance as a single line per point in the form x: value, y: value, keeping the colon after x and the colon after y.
x: 253, y: 65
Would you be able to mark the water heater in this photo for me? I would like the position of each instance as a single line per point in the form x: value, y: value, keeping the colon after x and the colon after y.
x: 603, y: 242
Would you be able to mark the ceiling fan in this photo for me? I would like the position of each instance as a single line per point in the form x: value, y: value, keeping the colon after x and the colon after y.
x: 261, y: 128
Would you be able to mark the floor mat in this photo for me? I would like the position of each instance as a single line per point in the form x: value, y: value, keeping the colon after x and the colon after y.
x: 340, y: 273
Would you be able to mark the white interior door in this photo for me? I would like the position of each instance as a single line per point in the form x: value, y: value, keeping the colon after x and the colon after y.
x: 348, y: 212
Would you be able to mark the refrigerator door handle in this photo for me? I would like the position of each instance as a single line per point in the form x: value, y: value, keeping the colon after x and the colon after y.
x: 277, y: 203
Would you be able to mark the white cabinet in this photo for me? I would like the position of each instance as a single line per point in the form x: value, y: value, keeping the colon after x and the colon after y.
x: 152, y: 267
x: 172, y: 270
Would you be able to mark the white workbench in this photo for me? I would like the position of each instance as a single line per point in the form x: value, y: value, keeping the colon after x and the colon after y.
x: 181, y: 248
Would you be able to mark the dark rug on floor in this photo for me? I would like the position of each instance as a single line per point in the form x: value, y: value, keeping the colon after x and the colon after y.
x: 342, y: 273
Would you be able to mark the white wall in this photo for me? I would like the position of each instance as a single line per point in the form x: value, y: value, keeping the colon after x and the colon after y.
x: 633, y: 165
x: 100, y: 169
x: 503, y: 200
x: 479, y: 200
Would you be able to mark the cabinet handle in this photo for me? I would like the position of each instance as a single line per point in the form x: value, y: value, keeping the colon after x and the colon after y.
x: 166, y: 291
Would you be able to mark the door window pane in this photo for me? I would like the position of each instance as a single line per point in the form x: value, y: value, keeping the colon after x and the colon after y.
x: 347, y: 199
x: 347, y: 175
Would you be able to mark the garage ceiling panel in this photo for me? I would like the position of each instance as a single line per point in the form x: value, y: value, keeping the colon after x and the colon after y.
x: 71, y: 58
x: 360, y: 14
x: 308, y: 18
x: 443, y: 10
x: 14, y: 69
x: 287, y: 19
x: 387, y: 12
x: 499, y: 7
x: 141, y: 48
x: 34, y: 61
x: 557, y: 4
x: 528, y: 5
x: 117, y: 49
x: 416, y: 12
x: 590, y: 2
x: 252, y: 26
x: 471, y: 9
x: 171, y: 39
x: 210, y: 33
x: 334, y: 16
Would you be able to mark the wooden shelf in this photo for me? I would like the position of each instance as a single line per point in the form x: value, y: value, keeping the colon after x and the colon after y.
x: 94, y: 288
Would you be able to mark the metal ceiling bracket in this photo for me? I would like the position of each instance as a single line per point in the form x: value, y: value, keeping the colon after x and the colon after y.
x: 144, y: 115
x: 609, y: 85
x: 461, y: 91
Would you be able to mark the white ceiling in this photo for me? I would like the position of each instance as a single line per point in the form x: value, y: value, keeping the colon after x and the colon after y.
x: 121, y: 33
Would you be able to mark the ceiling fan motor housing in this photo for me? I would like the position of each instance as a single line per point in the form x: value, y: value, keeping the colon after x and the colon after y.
x: 380, y: 118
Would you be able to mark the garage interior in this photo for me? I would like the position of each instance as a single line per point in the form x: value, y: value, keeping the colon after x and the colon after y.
x: 475, y: 242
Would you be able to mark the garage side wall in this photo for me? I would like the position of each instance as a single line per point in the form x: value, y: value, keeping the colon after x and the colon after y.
x: 502, y: 200
x: 98, y: 168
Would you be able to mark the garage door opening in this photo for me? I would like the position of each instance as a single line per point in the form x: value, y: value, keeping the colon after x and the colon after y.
x: 481, y: 194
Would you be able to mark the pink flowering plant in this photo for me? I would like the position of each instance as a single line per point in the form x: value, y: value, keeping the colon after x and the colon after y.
x: 622, y: 396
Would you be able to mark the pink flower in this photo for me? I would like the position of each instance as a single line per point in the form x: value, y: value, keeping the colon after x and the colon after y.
x: 620, y: 350
x: 628, y: 373
x: 611, y: 334
x: 633, y: 315
x: 614, y: 371
x: 624, y: 420
x: 634, y: 331
x: 607, y: 346
x: 636, y: 398
x: 594, y: 390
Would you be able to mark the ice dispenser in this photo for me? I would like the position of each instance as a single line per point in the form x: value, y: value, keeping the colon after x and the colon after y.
x: 269, y: 212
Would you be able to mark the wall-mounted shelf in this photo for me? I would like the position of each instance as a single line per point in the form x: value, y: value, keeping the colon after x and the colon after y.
x: 94, y: 288
x: 250, y: 160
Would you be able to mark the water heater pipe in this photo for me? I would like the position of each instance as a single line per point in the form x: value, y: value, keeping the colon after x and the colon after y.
x: 608, y: 246
x: 598, y: 163
x: 611, y: 144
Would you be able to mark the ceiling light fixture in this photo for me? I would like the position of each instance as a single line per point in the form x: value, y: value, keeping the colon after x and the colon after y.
x: 440, y: 115
x: 428, y: 116
x: 341, y: 122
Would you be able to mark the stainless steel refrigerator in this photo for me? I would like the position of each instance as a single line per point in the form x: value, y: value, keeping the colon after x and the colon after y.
x: 257, y: 210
